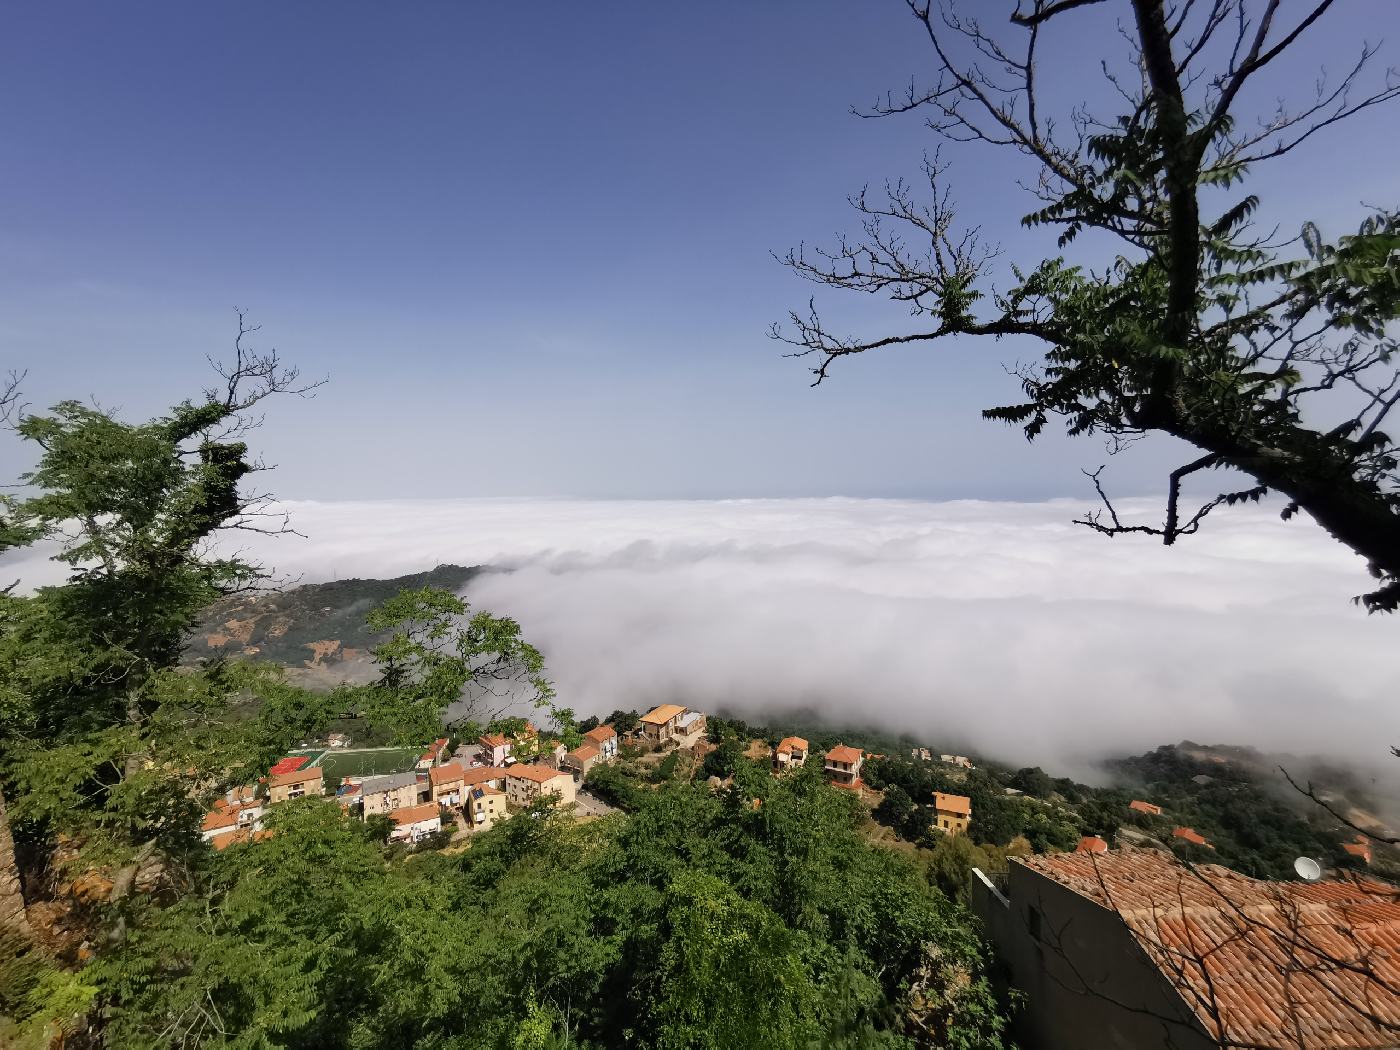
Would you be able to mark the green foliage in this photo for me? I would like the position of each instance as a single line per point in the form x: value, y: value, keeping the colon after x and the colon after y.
x: 666, y: 769
x: 698, y: 921
x: 1255, y: 828
x: 438, y: 653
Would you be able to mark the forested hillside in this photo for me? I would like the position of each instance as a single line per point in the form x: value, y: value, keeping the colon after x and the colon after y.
x: 755, y: 915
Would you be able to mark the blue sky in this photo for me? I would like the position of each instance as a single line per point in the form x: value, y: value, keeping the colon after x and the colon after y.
x: 528, y: 244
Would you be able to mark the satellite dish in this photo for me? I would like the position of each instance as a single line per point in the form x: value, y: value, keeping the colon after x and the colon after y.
x: 1308, y: 869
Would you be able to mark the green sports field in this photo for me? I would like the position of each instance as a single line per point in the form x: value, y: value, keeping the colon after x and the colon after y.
x: 369, y: 762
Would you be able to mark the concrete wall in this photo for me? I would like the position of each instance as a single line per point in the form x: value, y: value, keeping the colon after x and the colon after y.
x: 1086, y: 981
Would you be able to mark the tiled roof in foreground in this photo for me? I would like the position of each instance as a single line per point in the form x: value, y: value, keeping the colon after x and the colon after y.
x: 1259, y: 963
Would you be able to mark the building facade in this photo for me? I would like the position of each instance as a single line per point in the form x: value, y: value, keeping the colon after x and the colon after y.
x: 842, y: 765
x: 525, y: 783
x: 296, y: 784
x: 385, y: 794
x: 951, y: 813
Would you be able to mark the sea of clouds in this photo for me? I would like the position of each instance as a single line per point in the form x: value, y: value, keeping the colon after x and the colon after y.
x: 997, y: 627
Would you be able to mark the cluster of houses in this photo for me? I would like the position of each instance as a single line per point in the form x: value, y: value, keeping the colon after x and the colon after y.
x: 500, y: 773
x: 480, y: 785
x: 842, y: 765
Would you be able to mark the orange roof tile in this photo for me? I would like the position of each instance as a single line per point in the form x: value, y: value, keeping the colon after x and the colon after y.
x: 447, y: 774
x: 842, y: 753
x: 481, y: 774
x: 492, y: 740
x: 228, y: 838
x: 960, y: 805
x: 413, y: 814
x: 790, y: 743
x: 539, y: 774
x: 600, y: 734
x: 220, y: 818
x: 1257, y: 962
x: 663, y: 714
x: 584, y: 753
x: 296, y: 776
x: 1145, y: 807
x: 1091, y: 844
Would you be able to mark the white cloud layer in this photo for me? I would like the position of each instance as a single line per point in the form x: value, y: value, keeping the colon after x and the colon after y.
x: 998, y: 627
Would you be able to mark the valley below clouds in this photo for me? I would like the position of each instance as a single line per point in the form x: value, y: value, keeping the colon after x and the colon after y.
x: 992, y: 626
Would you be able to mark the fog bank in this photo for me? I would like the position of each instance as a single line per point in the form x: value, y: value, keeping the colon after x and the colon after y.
x: 997, y: 627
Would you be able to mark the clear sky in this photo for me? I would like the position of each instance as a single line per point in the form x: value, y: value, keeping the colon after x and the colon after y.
x: 529, y: 243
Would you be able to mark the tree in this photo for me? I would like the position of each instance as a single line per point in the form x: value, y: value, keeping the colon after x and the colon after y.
x: 99, y: 736
x: 1202, y: 327
x: 447, y: 667
x: 104, y: 742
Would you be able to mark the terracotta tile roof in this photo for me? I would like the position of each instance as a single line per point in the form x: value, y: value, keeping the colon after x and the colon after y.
x: 1192, y: 836
x: 296, y: 776
x: 1145, y: 807
x: 228, y: 838
x: 481, y: 774
x: 600, y: 734
x: 788, y: 743
x: 492, y: 740
x: 663, y: 714
x: 413, y: 814
x: 959, y: 804
x: 220, y: 818
x: 447, y: 774
x: 434, y: 749
x: 584, y: 753
x: 1091, y: 844
x: 842, y: 753
x: 288, y: 764
x: 1257, y: 962
x: 539, y: 774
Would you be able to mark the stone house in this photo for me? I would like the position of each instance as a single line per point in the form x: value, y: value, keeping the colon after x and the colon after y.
x: 1131, y: 948
x: 384, y: 794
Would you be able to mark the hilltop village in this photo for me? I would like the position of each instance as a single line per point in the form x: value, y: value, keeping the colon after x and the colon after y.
x: 451, y: 790
x: 1141, y: 866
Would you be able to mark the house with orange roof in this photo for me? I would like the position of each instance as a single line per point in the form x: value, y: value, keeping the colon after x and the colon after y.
x: 433, y: 756
x: 295, y: 784
x: 415, y: 823
x: 492, y: 749
x: 951, y: 813
x: 842, y: 766
x: 1192, y: 836
x: 485, y: 776
x: 791, y: 753
x: 1145, y: 807
x: 661, y: 724
x: 581, y: 759
x: 1133, y: 948
x: 240, y: 810
x: 1091, y: 844
x: 446, y: 784
x: 526, y: 782
x: 225, y: 839
x: 604, y: 738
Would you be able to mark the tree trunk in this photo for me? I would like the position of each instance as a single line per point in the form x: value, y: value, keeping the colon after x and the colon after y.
x: 12, y: 913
